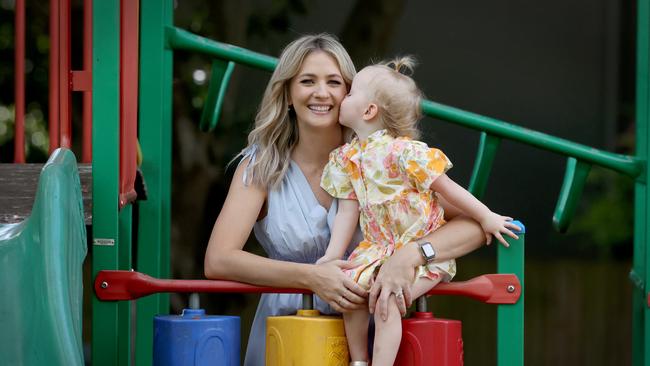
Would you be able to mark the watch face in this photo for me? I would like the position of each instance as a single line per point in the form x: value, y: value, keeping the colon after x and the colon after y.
x: 428, y: 250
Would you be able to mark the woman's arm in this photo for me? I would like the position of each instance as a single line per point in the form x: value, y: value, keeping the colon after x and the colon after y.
x: 458, y: 237
x: 345, y: 224
x: 226, y: 259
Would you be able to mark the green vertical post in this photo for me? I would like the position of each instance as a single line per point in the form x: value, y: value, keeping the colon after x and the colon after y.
x: 155, y: 140
x: 640, y: 315
x: 106, y: 89
x: 510, y: 318
x: 487, y: 150
x: 124, y: 307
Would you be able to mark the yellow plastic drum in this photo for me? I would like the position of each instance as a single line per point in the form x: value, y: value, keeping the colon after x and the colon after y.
x: 306, y: 338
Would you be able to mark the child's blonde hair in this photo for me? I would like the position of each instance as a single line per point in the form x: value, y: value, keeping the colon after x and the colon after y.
x: 397, y: 96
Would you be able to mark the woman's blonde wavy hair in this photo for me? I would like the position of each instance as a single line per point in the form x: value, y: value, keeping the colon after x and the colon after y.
x: 276, y: 130
x: 397, y: 96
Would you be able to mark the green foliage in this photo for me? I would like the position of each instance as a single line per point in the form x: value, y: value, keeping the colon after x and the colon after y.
x: 607, y: 217
x: 36, y: 81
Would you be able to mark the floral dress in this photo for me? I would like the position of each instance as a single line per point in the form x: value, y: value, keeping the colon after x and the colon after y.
x: 391, y: 178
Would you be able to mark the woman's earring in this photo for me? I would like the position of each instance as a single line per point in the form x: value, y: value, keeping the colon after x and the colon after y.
x: 290, y: 108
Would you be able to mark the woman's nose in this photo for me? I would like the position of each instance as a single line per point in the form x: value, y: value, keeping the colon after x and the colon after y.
x: 321, y: 90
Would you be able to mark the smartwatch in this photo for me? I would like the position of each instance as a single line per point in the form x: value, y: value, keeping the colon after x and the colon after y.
x: 427, y: 251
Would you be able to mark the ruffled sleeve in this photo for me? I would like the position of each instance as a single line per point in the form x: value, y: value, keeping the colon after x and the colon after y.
x: 336, y: 179
x: 423, y: 165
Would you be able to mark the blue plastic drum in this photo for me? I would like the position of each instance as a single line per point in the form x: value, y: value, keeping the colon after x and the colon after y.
x: 196, y: 339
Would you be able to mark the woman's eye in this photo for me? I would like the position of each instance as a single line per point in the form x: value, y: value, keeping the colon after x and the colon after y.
x: 335, y: 82
x: 306, y: 81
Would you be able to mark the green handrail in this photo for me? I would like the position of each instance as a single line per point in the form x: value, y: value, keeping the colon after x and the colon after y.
x: 183, y: 40
x: 629, y: 165
x: 625, y: 164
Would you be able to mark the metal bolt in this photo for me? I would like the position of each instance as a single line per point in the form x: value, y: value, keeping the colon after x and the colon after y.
x: 104, y: 284
x: 511, y: 288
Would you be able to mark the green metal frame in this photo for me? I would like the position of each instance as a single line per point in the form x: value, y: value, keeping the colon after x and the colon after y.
x: 640, y: 310
x: 107, y: 323
x: 155, y: 138
x: 158, y: 40
x: 510, y: 318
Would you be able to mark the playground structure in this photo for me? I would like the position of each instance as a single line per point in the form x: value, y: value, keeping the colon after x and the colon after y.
x: 127, y: 34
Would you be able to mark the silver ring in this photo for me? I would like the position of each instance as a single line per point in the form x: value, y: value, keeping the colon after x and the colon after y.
x: 399, y: 294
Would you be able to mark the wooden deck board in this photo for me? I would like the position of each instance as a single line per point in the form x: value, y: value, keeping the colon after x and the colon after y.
x: 18, y: 183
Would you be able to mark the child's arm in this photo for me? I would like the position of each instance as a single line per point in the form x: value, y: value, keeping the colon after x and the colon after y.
x: 345, y: 223
x: 492, y: 223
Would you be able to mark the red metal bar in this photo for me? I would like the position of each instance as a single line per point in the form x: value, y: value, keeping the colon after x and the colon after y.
x: 129, y: 14
x: 81, y: 81
x: 19, y: 82
x: 65, y: 121
x: 53, y: 109
x: 130, y: 285
x: 86, y: 146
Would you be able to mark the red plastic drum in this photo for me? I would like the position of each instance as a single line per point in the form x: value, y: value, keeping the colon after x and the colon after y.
x: 430, y: 341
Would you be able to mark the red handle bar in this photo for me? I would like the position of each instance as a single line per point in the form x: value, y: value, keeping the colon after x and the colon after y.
x: 130, y: 285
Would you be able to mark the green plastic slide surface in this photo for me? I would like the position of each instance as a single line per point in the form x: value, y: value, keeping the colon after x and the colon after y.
x: 41, y: 290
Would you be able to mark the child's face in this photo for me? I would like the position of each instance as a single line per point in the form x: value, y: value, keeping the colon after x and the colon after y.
x: 356, y: 102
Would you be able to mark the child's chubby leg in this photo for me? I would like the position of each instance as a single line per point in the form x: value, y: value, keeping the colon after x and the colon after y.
x: 388, y: 333
x: 356, y: 331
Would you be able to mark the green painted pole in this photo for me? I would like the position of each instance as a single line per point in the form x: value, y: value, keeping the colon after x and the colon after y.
x: 510, y: 318
x: 155, y: 140
x: 106, y: 86
x: 487, y: 150
x: 640, y: 315
x: 125, y: 218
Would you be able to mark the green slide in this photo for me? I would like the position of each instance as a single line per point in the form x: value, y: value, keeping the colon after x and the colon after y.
x: 41, y: 290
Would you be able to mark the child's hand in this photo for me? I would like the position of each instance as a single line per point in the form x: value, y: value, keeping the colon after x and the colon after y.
x: 326, y: 258
x: 495, y: 224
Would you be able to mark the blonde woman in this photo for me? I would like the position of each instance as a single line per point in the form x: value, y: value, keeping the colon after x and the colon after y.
x: 276, y: 193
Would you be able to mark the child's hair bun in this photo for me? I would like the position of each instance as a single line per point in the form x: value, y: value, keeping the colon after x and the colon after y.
x: 404, y: 64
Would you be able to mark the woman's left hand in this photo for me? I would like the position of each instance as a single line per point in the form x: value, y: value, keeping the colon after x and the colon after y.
x: 395, y: 277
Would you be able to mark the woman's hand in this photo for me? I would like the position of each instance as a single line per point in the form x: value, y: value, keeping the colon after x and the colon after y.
x: 340, y: 291
x: 395, y: 277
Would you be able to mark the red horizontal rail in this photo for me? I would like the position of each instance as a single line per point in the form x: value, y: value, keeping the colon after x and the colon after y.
x: 130, y: 285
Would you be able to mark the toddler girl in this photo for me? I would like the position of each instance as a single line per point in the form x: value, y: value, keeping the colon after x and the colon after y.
x: 391, y: 182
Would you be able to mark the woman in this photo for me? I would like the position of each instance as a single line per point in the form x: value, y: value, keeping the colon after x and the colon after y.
x: 276, y: 193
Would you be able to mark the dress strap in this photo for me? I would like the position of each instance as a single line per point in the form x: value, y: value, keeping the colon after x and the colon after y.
x: 248, y: 152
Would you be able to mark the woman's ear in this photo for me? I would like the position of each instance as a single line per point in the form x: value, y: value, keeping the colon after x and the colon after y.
x: 370, y: 112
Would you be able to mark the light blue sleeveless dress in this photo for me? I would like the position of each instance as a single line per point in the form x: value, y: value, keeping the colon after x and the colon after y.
x: 296, y: 229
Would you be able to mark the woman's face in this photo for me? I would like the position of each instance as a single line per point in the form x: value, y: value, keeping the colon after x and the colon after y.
x: 317, y: 90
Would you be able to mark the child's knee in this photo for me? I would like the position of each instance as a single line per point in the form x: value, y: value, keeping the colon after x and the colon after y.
x: 393, y: 313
